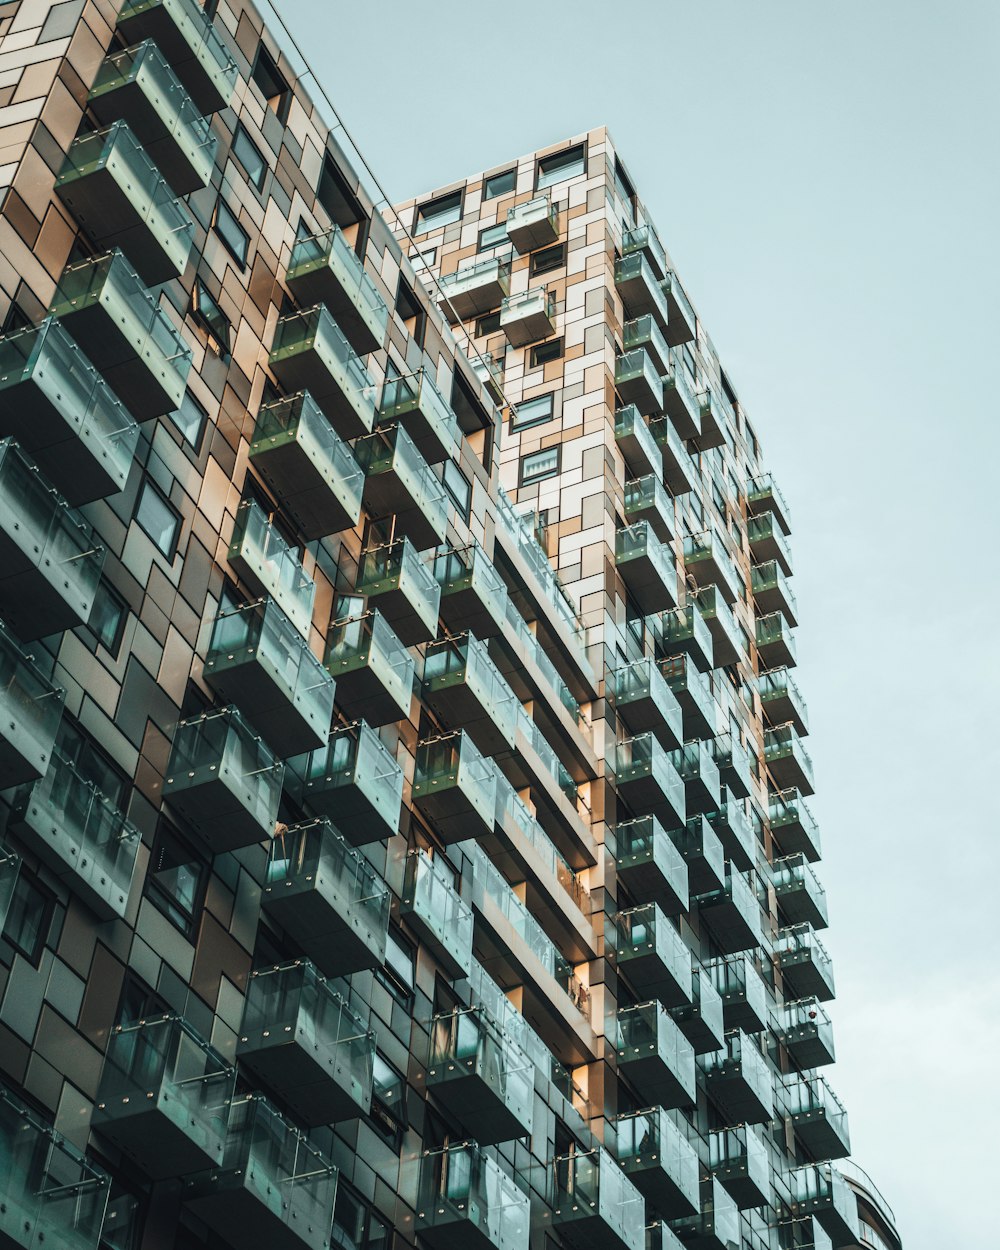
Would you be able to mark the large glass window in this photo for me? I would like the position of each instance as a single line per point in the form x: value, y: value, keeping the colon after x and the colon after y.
x: 29, y: 917
x: 176, y: 879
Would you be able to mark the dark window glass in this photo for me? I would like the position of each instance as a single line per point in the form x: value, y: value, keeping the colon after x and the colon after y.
x: 499, y: 184
x: 210, y: 317
x: 542, y: 353
x: 539, y: 465
x: 440, y: 212
x: 337, y: 197
x: 28, y: 917
x: 561, y: 165
x: 158, y: 518
x: 232, y: 234
x: 532, y: 412
x: 190, y: 419
x: 398, y: 974
x: 272, y: 84
x: 176, y: 879
x: 122, y: 1223
x: 107, y: 617
x: 488, y: 324
x: 548, y: 258
x: 249, y: 156
x: 92, y: 763
x: 388, y: 1098
x: 349, y: 1218
x: 458, y: 487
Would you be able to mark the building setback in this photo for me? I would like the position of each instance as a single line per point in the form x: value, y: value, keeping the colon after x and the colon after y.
x: 402, y: 786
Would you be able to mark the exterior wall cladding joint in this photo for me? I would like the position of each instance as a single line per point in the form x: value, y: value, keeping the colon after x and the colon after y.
x: 405, y: 836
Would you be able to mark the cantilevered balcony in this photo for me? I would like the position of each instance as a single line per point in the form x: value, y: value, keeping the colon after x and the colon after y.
x: 680, y: 401
x: 125, y: 334
x: 258, y: 660
x: 817, y: 1116
x: 644, y: 334
x: 640, y: 290
x: 697, y: 768
x: 311, y: 353
x: 648, y: 781
x: 644, y: 701
x: 372, y: 668
x: 80, y: 834
x: 301, y: 1038
x: 533, y: 224
x: 781, y: 700
x: 415, y: 402
x: 739, y: 1160
x: 480, y: 1075
x: 800, y: 896
x: 707, y: 560
x: 775, y: 642
x: 638, y: 383
x: 764, y: 495
x: 683, y: 325
x: 403, y: 589
x: 528, y: 316
x: 137, y: 85
x: 644, y: 239
x: 431, y: 905
x: 651, y: 866
x: 702, y: 851
x: 652, y: 955
x: 121, y: 199
x: 788, y: 762
x: 684, y: 632
x: 594, y: 1204
x: 465, y: 689
x: 63, y: 413
x: 327, y: 897
x: 647, y: 568
x: 31, y: 709
x: 772, y: 591
x: 164, y: 1096
x: 223, y: 780
x: 768, y: 541
x: 727, y: 644
x: 354, y: 780
x: 326, y: 269
x: 738, y: 1080
x: 308, y: 466
x: 647, y: 500
x: 271, y: 1189
x: 742, y: 990
x: 185, y: 34
x: 679, y: 472
x: 475, y: 289
x: 716, y: 415
x: 715, y: 1226
x: 50, y: 1195
x: 659, y: 1161
x: 635, y: 439
x: 732, y: 913
x: 50, y: 560
x: 655, y: 1056
x: 269, y: 566
x: 454, y: 787
x: 399, y: 483
x: 701, y: 1020
x: 734, y: 766
x: 804, y: 1029
x: 734, y: 827
x: 473, y: 594
x: 467, y: 1202
x: 819, y: 1189
x: 806, y: 968
x: 793, y: 825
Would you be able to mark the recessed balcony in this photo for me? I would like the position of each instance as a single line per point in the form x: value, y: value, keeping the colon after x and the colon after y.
x: 473, y: 594
x: 820, y: 1190
x: 308, y: 466
x: 185, y: 34
x: 697, y: 768
x: 743, y: 992
x: 684, y: 632
x: 651, y: 866
x: 415, y: 402
x: 480, y: 1075
x: 638, y: 446
x: 764, y: 495
x: 121, y: 199
x: 659, y: 1161
x: 793, y: 825
x: 269, y: 566
x: 806, y: 968
x: 768, y: 542
x: 652, y: 955
x: 475, y: 289
x: 644, y: 701
x: 354, y: 780
x: 272, y: 1188
x: 644, y: 239
x: 680, y: 400
x: 772, y: 591
x: 788, y: 762
x: 644, y: 334
x: 638, y: 383
x: 683, y: 324
x: 738, y: 1080
x: 327, y: 897
x: 701, y: 1020
x: 805, y: 1030
x: 31, y: 709
x: 739, y: 1160
x: 529, y: 316
x: 60, y: 409
x: 679, y: 473
x: 594, y: 1204
x: 431, y: 905
x: 716, y: 1224
x: 137, y: 85
x: 732, y: 913
x: 782, y: 701
x: 775, y: 642
x: 702, y: 851
x: 648, y: 781
x: 640, y: 290
x: 454, y: 787
x: 326, y: 269
x: 533, y: 224
x: 707, y: 561
x: 311, y: 353
x: 399, y: 483
x: 655, y: 1056
x: 727, y: 643
x: 464, y: 688
x: 647, y: 568
x: 50, y: 559
x: 125, y: 334
x: 647, y: 500
x: 163, y: 1097
x: 403, y: 589
x: 817, y: 1117
x: 716, y: 416
x: 300, y: 1037
x: 372, y: 669
x: 223, y: 780
x: 467, y: 1202
x: 800, y: 896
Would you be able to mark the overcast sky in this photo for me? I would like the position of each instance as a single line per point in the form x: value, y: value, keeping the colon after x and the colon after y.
x: 825, y: 177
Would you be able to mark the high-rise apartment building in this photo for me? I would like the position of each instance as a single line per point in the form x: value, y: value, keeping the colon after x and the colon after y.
x: 401, y: 772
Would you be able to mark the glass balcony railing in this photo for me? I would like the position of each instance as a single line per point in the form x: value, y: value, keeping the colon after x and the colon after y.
x: 648, y: 780
x: 372, y: 668
x: 734, y: 827
x: 310, y: 352
x: 679, y: 473
x: 647, y: 568
x: 224, y: 780
x: 432, y: 905
x: 695, y: 765
x: 772, y: 591
x: 455, y: 787
x: 643, y: 333
x: 800, y: 896
x: 655, y: 1055
x: 354, y: 780
x: 775, y: 641
x: 683, y: 325
x: 738, y: 1158
x: 10, y: 868
x: 402, y: 588
x: 679, y: 399
x: 415, y: 401
x: 528, y: 316
x: 699, y: 844
x: 463, y: 685
x: 708, y: 561
x: 594, y: 1204
x: 788, y: 762
x: 652, y: 955
x: 272, y: 1188
x: 644, y: 700
x: 525, y: 645
x: 733, y: 914
x: 793, y: 824
x: 308, y: 466
x: 638, y: 383
x: 817, y: 1116
x: 819, y: 1189
x: 764, y: 495
x: 805, y: 965
x: 533, y: 224
x: 650, y: 864
x: 126, y: 335
x: 489, y: 370
x: 60, y: 409
x: 768, y: 542
x: 399, y: 483
x: 638, y: 445
x: 727, y: 644
x: 473, y: 594
x: 782, y: 701
x: 640, y: 289
x: 31, y: 709
x: 513, y: 813
x: 684, y: 632
x: 716, y: 1225
x: 701, y: 1021
x: 738, y: 1080
x: 299, y: 1035
x: 805, y: 1030
x: 120, y: 198
x: 50, y: 559
x: 551, y: 766
x: 164, y: 1097
x: 50, y: 1194
x: 263, y: 559
x: 716, y: 416
x: 474, y: 289
x: 185, y: 34
x: 80, y: 834
x: 646, y: 500
x: 466, y: 1199
x: 644, y: 239
x: 659, y: 1160
x: 137, y: 85
x: 742, y: 990
x: 326, y: 269
x: 733, y: 760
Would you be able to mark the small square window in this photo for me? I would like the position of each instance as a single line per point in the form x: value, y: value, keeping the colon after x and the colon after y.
x: 423, y: 259
x: 539, y: 465
x: 542, y: 353
x: 493, y: 236
x: 249, y: 156
x: 560, y: 166
x: 499, y: 184
x: 547, y: 259
x: 107, y: 617
x: 532, y: 412
x: 489, y: 324
x: 190, y: 419
x: 176, y: 879
x: 458, y: 487
x: 440, y: 212
x: 28, y: 917
x: 232, y: 234
x: 158, y: 518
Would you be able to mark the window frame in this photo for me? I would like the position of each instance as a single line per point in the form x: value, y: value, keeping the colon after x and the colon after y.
x: 503, y: 241
x: 482, y: 329
x: 147, y: 482
x: 113, y: 647
x: 464, y: 504
x: 524, y: 480
x: 241, y: 134
x: 184, y: 921
x: 26, y: 878
x: 195, y: 443
x: 542, y: 174
x: 240, y: 254
x: 489, y: 194
x: 556, y: 346
x: 518, y: 424
x: 535, y: 269
x: 454, y: 202
x: 401, y: 992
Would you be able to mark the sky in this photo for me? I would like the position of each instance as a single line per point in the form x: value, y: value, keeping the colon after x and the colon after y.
x: 825, y: 177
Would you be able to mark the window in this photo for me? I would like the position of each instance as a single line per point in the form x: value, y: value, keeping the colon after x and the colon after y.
x: 458, y: 487
x: 122, y: 1220
x: 335, y: 194
x: 623, y: 186
x: 355, y: 1225
x: 388, y: 1099
x: 190, y: 419
x: 423, y: 260
x: 440, y: 212
x: 207, y: 313
x: 547, y: 259
x: 560, y: 166
x: 28, y: 917
x: 489, y: 324
x: 107, y: 617
x: 539, y: 465
x: 411, y: 311
x: 158, y: 518
x: 542, y: 353
x: 398, y: 974
x: 272, y: 84
x: 493, y: 236
x: 249, y: 156
x: 532, y: 412
x: 91, y: 762
x: 499, y: 184
x: 176, y: 879
x: 232, y: 234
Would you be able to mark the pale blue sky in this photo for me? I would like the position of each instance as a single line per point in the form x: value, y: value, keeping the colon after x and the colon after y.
x: 825, y: 177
